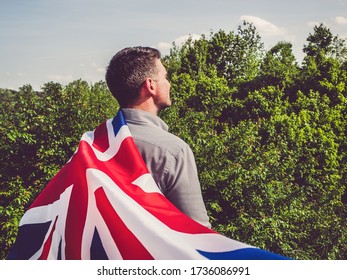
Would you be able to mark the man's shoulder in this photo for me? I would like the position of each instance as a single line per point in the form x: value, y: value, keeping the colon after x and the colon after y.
x: 151, y: 131
x: 159, y: 139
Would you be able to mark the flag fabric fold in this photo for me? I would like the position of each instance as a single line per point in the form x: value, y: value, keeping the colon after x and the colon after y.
x: 104, y: 204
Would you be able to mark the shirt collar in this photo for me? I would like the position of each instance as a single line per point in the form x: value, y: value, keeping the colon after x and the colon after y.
x: 137, y: 116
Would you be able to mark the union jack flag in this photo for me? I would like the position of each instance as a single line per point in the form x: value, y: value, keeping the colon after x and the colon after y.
x: 104, y: 204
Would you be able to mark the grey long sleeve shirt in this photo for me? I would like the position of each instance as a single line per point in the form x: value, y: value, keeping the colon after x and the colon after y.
x: 170, y: 161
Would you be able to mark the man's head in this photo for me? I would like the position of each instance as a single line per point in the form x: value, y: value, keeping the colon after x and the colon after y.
x: 134, y: 70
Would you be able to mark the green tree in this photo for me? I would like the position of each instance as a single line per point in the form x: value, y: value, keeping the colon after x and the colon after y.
x: 19, y: 115
x: 279, y: 67
x: 40, y: 132
x: 236, y: 56
x: 323, y: 67
x: 269, y: 164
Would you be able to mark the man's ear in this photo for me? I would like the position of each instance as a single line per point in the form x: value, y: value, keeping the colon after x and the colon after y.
x: 149, y: 86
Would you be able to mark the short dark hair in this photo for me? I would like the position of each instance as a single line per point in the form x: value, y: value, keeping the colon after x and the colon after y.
x: 127, y: 71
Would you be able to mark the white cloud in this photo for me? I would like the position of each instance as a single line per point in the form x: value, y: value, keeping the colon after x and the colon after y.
x: 263, y: 26
x: 313, y: 23
x: 341, y: 20
x: 98, y: 68
x: 182, y: 39
x: 60, y: 78
x: 164, y: 47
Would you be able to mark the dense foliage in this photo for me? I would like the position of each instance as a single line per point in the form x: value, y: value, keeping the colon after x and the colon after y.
x: 39, y: 132
x: 269, y: 138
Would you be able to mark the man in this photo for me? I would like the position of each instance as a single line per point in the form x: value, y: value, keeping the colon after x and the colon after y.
x: 138, y: 80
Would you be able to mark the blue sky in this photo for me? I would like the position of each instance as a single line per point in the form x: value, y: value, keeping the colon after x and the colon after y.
x: 62, y: 40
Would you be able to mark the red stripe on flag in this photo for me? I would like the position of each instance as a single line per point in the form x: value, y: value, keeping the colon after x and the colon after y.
x: 48, y: 243
x: 54, y: 188
x: 78, y: 203
x: 101, y: 138
x: 125, y: 171
x: 128, y: 245
x: 127, y: 163
x: 167, y: 213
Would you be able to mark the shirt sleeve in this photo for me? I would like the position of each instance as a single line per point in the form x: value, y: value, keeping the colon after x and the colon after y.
x: 183, y: 186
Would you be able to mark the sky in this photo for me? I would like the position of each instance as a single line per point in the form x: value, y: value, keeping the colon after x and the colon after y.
x: 62, y: 40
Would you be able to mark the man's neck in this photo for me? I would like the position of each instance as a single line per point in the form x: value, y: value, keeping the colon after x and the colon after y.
x: 145, y: 107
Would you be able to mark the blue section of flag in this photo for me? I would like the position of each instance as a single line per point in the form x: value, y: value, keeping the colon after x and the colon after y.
x: 59, y: 251
x: 242, y: 254
x: 117, y: 122
x: 29, y: 240
x: 97, y: 251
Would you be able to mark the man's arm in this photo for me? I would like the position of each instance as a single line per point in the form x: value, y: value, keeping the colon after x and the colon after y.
x: 183, y: 186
